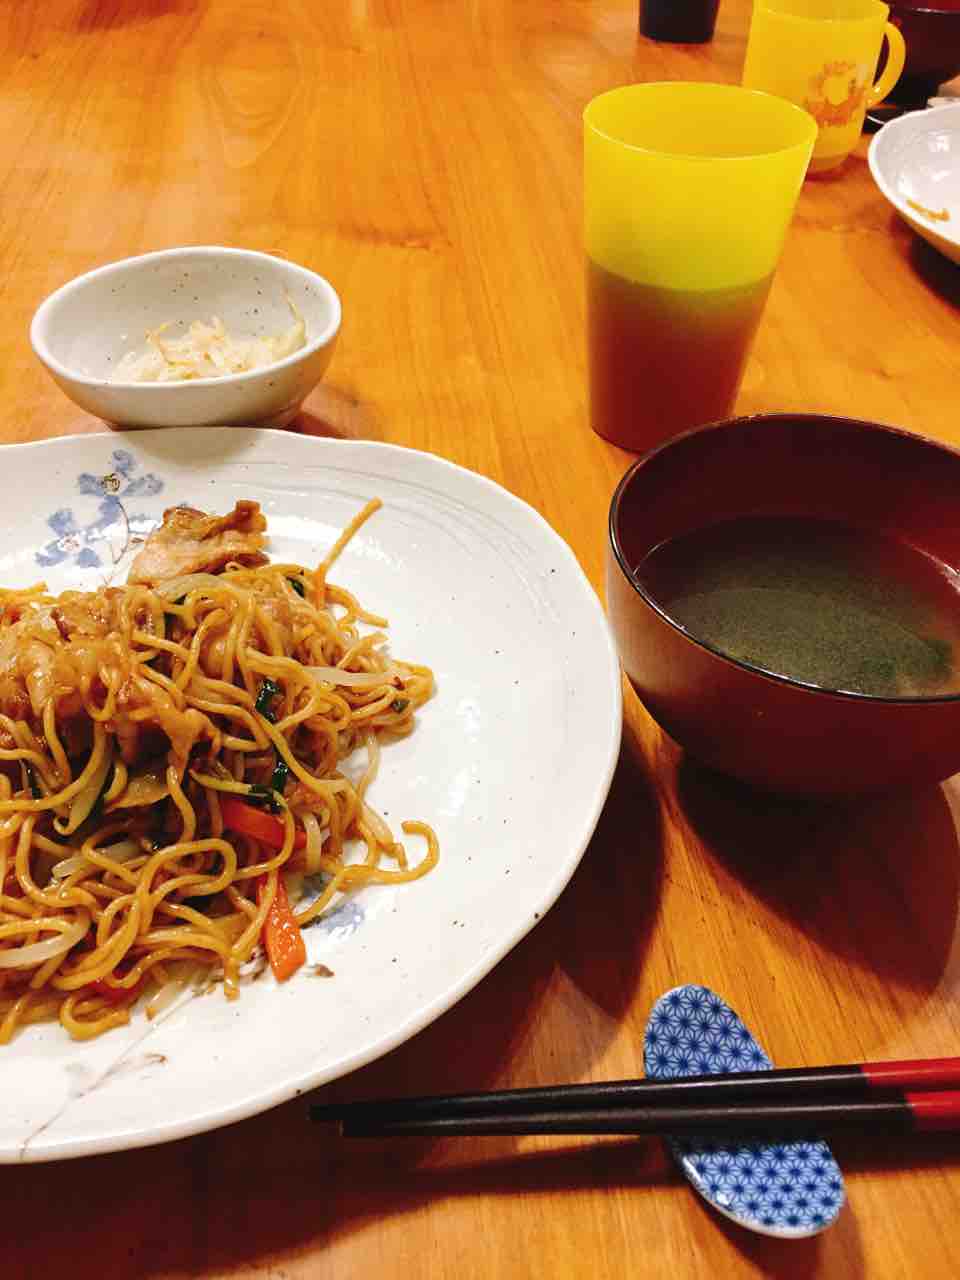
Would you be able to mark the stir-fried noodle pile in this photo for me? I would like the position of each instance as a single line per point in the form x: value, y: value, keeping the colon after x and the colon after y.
x: 170, y: 769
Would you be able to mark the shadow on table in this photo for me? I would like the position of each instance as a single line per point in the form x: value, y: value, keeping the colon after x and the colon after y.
x: 338, y: 413
x: 605, y: 920
x: 248, y: 1197
x: 874, y: 880
x: 933, y: 268
x: 927, y: 263
x: 331, y: 412
x: 276, y: 1183
x: 797, y: 1259
x: 96, y: 15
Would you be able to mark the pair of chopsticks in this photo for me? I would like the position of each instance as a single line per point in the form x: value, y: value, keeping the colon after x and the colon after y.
x: 909, y: 1096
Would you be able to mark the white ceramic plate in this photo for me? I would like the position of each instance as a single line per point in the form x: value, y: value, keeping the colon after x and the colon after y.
x: 915, y: 161
x: 511, y: 761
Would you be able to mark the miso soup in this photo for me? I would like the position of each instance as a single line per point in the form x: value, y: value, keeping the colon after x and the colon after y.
x: 819, y: 601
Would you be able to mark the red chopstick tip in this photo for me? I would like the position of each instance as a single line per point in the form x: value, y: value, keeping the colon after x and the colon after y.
x: 915, y: 1073
x: 935, y: 1110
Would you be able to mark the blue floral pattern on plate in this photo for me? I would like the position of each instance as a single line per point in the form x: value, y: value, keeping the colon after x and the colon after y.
x: 341, y: 920
x: 113, y: 529
x: 788, y: 1188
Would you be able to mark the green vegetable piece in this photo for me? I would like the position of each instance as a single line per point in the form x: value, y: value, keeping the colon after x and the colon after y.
x: 269, y: 690
x: 281, y: 773
x: 32, y: 782
x: 262, y: 796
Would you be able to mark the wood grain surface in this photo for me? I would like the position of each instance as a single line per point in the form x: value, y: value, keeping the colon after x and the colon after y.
x: 425, y: 156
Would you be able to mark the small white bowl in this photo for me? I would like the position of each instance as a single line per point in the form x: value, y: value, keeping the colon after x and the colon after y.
x: 915, y: 161
x: 82, y: 331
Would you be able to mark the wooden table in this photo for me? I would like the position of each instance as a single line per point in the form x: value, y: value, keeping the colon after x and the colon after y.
x: 426, y: 157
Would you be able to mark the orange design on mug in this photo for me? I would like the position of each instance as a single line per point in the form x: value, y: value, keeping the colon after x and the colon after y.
x: 820, y: 54
x: 825, y: 104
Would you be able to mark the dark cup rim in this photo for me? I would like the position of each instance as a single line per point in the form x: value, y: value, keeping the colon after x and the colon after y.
x: 897, y: 7
x: 613, y: 529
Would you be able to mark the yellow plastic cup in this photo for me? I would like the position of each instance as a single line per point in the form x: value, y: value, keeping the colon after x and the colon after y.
x: 688, y: 193
x: 822, y: 55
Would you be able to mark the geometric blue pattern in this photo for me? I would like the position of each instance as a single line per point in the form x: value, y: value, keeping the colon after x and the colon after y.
x: 790, y: 1187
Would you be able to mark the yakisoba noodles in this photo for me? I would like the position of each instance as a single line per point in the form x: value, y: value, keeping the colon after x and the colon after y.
x: 170, y: 770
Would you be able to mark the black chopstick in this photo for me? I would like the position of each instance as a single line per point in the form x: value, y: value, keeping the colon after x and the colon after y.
x: 851, y: 1083
x: 910, y: 1113
x: 899, y: 1115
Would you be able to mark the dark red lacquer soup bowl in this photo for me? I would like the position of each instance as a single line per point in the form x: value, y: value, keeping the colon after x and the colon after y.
x: 931, y: 29
x: 740, y: 714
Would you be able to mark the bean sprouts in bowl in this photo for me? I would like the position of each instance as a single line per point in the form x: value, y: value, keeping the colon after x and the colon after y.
x: 86, y: 331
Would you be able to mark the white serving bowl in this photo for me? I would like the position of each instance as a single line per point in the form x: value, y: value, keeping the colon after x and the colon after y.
x: 915, y: 161
x: 81, y: 332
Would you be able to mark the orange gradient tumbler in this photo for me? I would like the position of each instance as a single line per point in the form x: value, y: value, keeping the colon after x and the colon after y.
x: 688, y: 193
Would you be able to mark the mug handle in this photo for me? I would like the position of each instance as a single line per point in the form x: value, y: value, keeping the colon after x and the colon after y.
x: 896, y: 56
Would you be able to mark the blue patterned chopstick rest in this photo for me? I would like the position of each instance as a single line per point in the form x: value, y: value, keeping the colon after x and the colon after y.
x: 789, y: 1188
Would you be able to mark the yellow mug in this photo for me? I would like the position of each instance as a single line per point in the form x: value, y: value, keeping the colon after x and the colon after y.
x: 821, y: 55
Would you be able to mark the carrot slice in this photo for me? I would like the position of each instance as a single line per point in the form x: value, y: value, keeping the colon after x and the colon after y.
x: 257, y: 824
x: 281, y: 933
